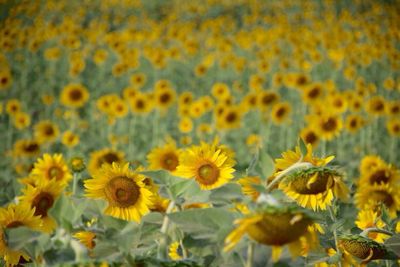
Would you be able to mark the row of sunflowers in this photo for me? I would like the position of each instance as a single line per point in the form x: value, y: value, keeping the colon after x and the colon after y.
x: 199, y: 133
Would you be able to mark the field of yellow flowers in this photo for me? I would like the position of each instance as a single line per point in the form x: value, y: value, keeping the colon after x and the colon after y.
x: 200, y: 133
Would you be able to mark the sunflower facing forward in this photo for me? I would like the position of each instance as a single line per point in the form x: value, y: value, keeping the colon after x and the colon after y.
x: 166, y: 157
x: 209, y: 165
x: 51, y: 167
x: 74, y: 95
x: 125, y: 191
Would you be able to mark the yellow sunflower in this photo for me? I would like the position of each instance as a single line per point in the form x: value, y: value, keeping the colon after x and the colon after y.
x: 165, y: 98
x: 277, y: 227
x: 370, y: 219
x: 42, y: 197
x: 280, y: 112
x: 52, y: 167
x: 309, y: 136
x: 266, y: 99
x: 313, y: 93
x: 247, y: 184
x: 21, y: 120
x: 13, y: 106
x: 165, y: 157
x: 26, y: 148
x: 70, y: 139
x: 125, y: 191
x: 209, y: 165
x: 86, y: 238
x: 46, y: 131
x: 353, y: 123
x: 230, y: 118
x: 104, y: 156
x: 175, y: 251
x: 393, y: 127
x: 140, y: 104
x: 381, y: 173
x: 74, y: 95
x: 5, y: 78
x: 370, y: 162
x: 373, y: 196
x: 326, y: 125
x: 376, y: 106
x: 11, y: 217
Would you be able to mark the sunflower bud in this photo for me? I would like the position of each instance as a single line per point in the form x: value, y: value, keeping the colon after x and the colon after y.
x: 77, y: 164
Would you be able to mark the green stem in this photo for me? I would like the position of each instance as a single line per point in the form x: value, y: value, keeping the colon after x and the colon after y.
x: 296, y: 166
x: 74, y: 183
x: 334, y: 232
x: 162, y: 247
x: 250, y: 254
x: 375, y: 230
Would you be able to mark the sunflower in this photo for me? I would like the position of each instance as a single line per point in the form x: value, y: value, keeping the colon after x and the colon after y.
x: 185, y: 125
x: 11, y: 217
x: 248, y: 183
x: 13, y: 106
x: 140, y: 104
x: 353, y: 123
x: 5, y: 79
x: 165, y: 98
x: 280, y: 112
x: 309, y: 136
x: 166, y: 157
x: 266, y: 99
x: 393, y: 108
x: 314, y: 187
x: 175, y: 251
x: 362, y: 247
x: 21, y: 120
x: 52, y: 167
x: 104, y: 156
x: 381, y: 173
x: 86, y: 238
x: 70, y: 139
x: 208, y: 164
x: 230, y: 118
x: 74, y: 95
x: 313, y: 93
x: 370, y: 219
x: 370, y: 162
x: 185, y: 98
x: 46, y: 131
x: 376, y: 105
x: 26, y: 147
x: 138, y: 80
x: 393, y: 127
x: 119, y: 108
x: 125, y: 191
x: 373, y: 196
x: 42, y: 197
x: 220, y: 91
x: 327, y: 125
x: 277, y: 227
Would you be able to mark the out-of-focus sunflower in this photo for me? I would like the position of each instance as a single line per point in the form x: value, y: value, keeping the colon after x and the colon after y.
x: 70, y: 139
x: 376, y: 106
x: 313, y: 93
x: 21, y: 120
x: 124, y: 190
x: 185, y: 125
x: 354, y: 123
x: 86, y: 238
x: 373, y: 196
x: 42, y: 197
x: 13, y: 106
x: 266, y: 99
x: 165, y: 98
x: 26, y: 148
x: 370, y: 219
x: 119, y: 108
x: 104, y: 156
x: 370, y: 162
x: 326, y: 125
x: 46, y: 131
x: 165, y: 157
x: 393, y: 127
x: 5, y: 78
x: 175, y: 251
x: 11, y: 217
x: 337, y: 103
x: 185, y: 98
x: 231, y: 118
x: 51, y: 167
x: 381, y: 173
x: 138, y: 80
x: 207, y: 164
x: 309, y: 136
x: 393, y: 108
x: 277, y: 227
x: 74, y: 95
x: 248, y: 183
x: 140, y: 104
x: 220, y: 91
x: 280, y: 112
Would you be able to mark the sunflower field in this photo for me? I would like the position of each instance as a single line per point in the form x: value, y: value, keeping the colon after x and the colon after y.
x: 223, y: 133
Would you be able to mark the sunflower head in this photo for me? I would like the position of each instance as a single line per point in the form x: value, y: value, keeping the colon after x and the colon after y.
x: 52, y: 167
x: 165, y: 157
x: 175, y: 251
x: 77, y: 164
x: 86, y: 238
x: 362, y: 247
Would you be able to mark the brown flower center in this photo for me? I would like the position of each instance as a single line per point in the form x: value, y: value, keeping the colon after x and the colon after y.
x: 49, y: 131
x: 14, y: 224
x: 311, y: 138
x: 278, y: 229
x: 231, y: 117
x: 169, y: 161
x: 329, y: 125
x: 109, y: 158
x: 31, y: 147
x: 314, y: 93
x: 300, y: 184
x: 4, y: 80
x: 207, y: 174
x: 75, y: 95
x: 42, y: 203
x: 55, y: 172
x: 268, y: 98
x: 280, y: 112
x: 380, y: 176
x: 380, y: 196
x: 361, y: 249
x: 122, y: 191
x: 164, y: 98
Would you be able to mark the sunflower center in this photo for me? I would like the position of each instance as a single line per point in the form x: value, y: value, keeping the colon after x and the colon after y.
x: 281, y: 112
x: 379, y: 106
x: 310, y: 138
x: 109, y: 158
x: 380, y: 196
x: 169, y: 162
x: 42, y: 203
x: 49, y: 130
x: 378, y: 177
x: 314, y: 93
x: 231, y: 117
x: 278, y: 229
x: 329, y: 125
x: 122, y: 191
x: 75, y: 94
x: 14, y: 224
x: 301, y: 184
x: 164, y: 98
x: 31, y: 147
x: 208, y: 174
x: 268, y: 99
x: 55, y: 172
x: 4, y: 80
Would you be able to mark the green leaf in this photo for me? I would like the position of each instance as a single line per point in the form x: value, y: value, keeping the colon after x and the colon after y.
x: 153, y: 217
x: 178, y: 189
x: 393, y: 243
x: 226, y: 193
x: 303, y: 147
x: 267, y: 165
x: 18, y: 237
x: 160, y: 177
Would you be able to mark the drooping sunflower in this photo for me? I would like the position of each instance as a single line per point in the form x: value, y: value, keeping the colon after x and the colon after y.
x: 11, y: 217
x: 46, y: 131
x: 42, y: 197
x: 125, y: 191
x: 52, y: 167
x: 74, y: 95
x: 373, y: 196
x: 165, y: 157
x: 86, y: 238
x: 277, y: 227
x: 209, y: 165
x: 280, y: 112
x: 104, y: 156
